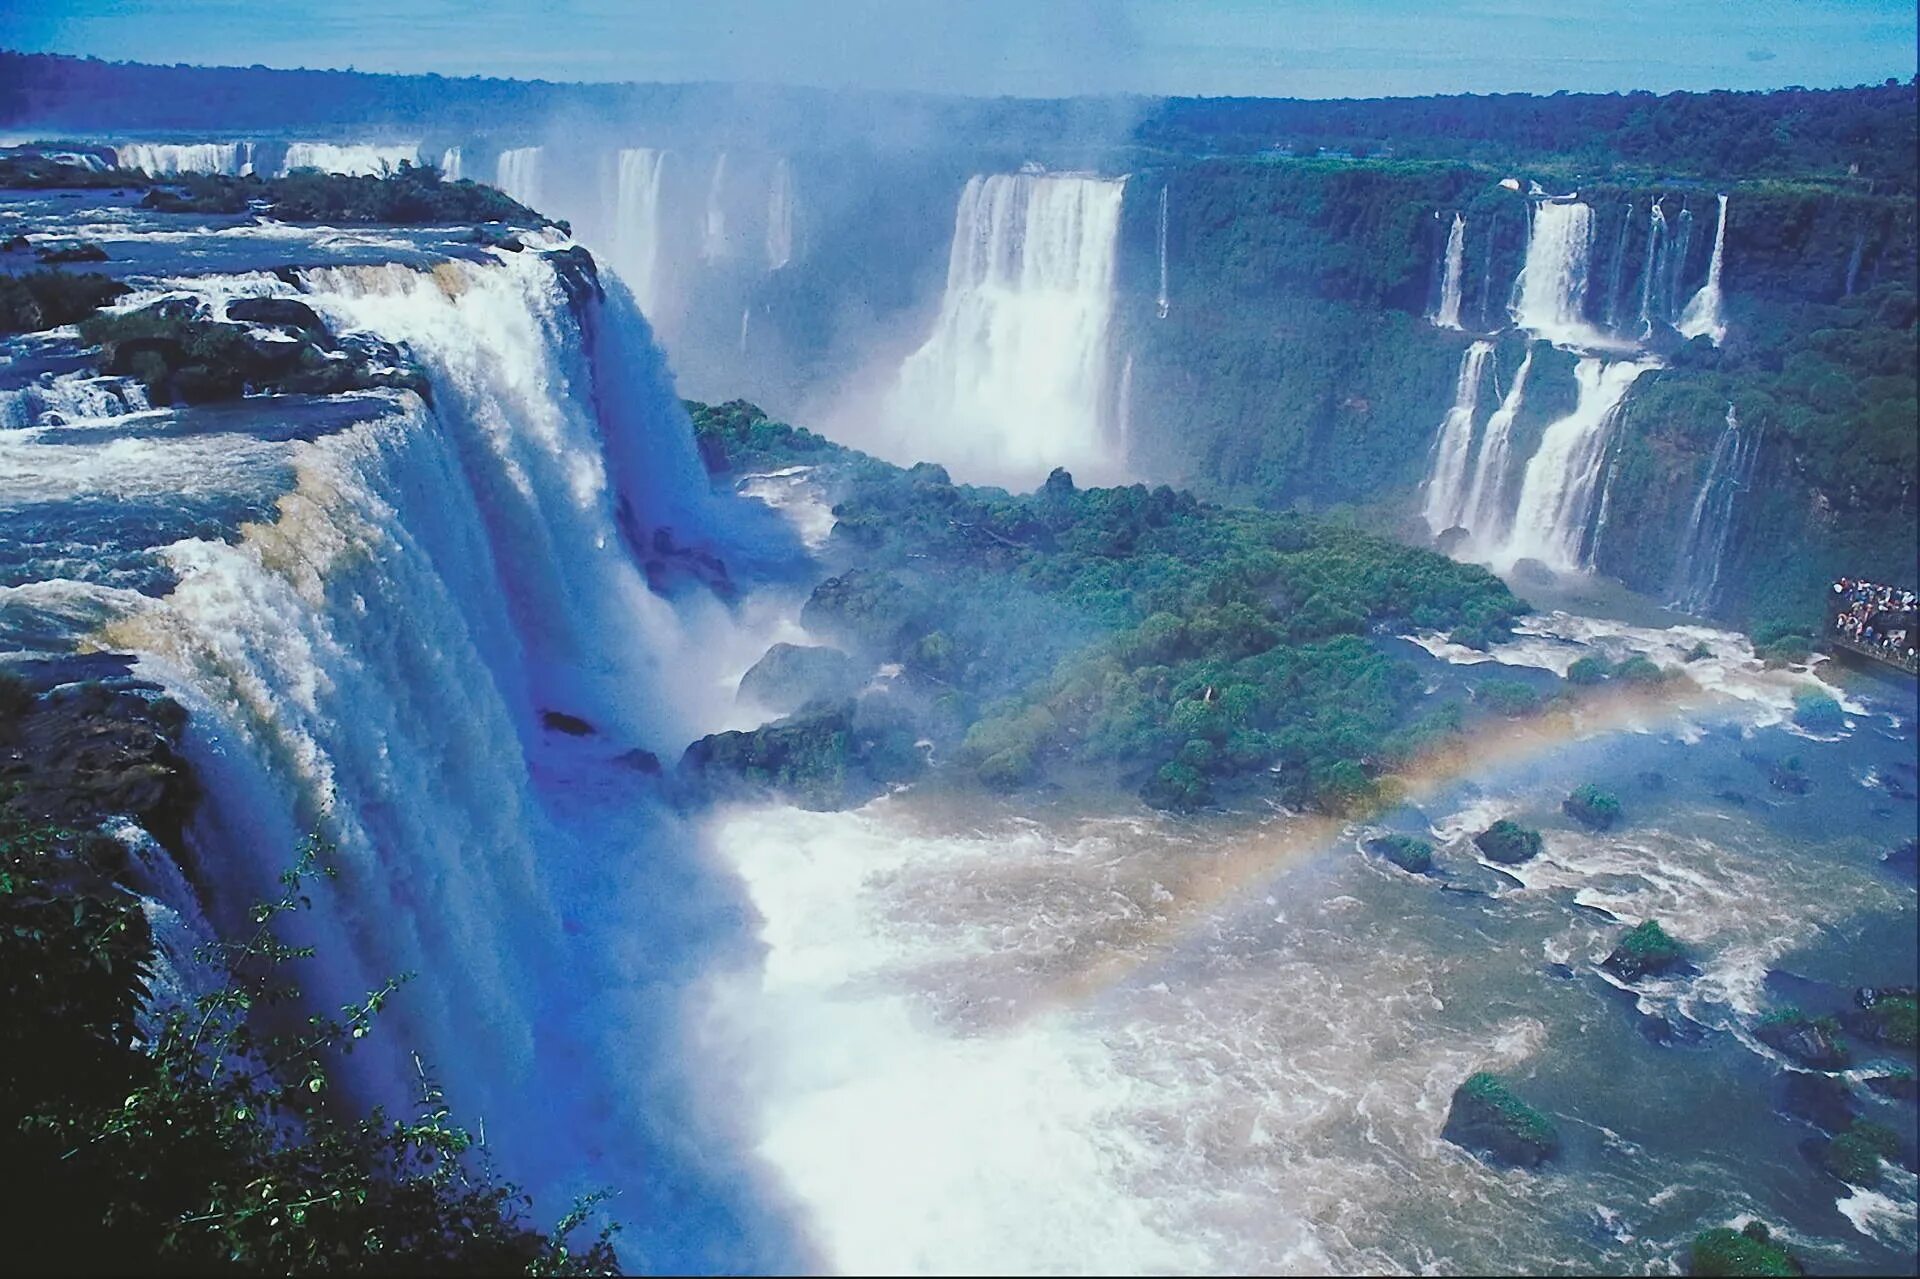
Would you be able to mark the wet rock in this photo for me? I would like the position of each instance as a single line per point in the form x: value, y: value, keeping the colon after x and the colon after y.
x: 1824, y: 1101
x: 1809, y: 1041
x: 1531, y: 572
x: 1489, y: 1120
x: 1563, y: 971
x: 670, y: 565
x: 1451, y: 540
x: 640, y: 761
x: 281, y: 313
x: 1592, y: 807
x: 561, y: 722
x: 1889, y: 1015
x: 791, y: 676
x: 1653, y: 781
x: 76, y: 251
x: 1748, y: 1251
x: 1894, y: 1080
x: 578, y: 273
x: 1789, y: 776
x: 1732, y: 797
x: 1645, y: 951
x: 1412, y: 855
x: 1903, y: 861
x: 1508, y: 842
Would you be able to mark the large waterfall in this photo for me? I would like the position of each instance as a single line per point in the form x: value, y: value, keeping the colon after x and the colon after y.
x: 1702, y: 315
x: 376, y: 661
x: 1651, y: 274
x: 638, y: 224
x: 450, y: 164
x: 1553, y: 280
x: 1445, y: 484
x: 518, y: 174
x: 1702, y: 557
x: 1484, y: 511
x: 1551, y: 521
x: 1013, y: 379
x: 354, y: 158
x: 1162, y: 302
x: 713, y: 232
x: 1447, y: 315
x: 162, y: 159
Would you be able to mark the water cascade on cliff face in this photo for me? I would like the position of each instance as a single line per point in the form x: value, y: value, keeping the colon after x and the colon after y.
x: 1012, y: 381
x: 1553, y: 280
x: 1162, y: 303
x: 780, y: 216
x: 162, y: 159
x: 450, y: 164
x: 638, y: 226
x: 518, y: 174
x: 1454, y: 444
x: 377, y: 663
x: 354, y: 159
x: 1552, y: 520
x: 1125, y: 409
x: 1651, y: 273
x: 1703, y: 550
x: 1617, y: 269
x: 1484, y: 510
x: 713, y: 226
x: 1852, y: 282
x: 1447, y: 316
x: 1676, y: 264
x: 1702, y: 315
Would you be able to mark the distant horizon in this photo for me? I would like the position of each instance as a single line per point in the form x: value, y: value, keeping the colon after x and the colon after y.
x: 1313, y: 50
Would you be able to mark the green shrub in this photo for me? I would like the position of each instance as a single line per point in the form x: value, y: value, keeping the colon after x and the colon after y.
x: 1816, y: 712
x: 1509, y: 842
x: 1738, y: 1254
x: 1588, y: 670
x: 1404, y: 851
x: 1854, y: 1156
x: 1508, y: 697
x: 1592, y: 806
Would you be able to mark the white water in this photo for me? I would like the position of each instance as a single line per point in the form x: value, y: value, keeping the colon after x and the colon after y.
x: 350, y: 158
x: 1702, y: 315
x: 164, y: 159
x: 1553, y: 279
x: 637, y: 224
x: 1126, y: 409
x: 713, y: 225
x: 450, y: 164
x: 1453, y: 446
x: 518, y: 174
x: 1484, y: 512
x: 1011, y: 382
x: 1651, y: 274
x: 1448, y: 316
x: 1557, y: 493
x: 780, y: 216
x: 1162, y: 303
x: 1703, y: 550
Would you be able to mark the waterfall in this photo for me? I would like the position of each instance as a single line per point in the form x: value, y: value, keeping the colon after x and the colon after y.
x: 1853, y: 264
x: 1551, y: 519
x: 1677, y: 262
x: 1702, y: 316
x: 1617, y: 269
x: 1484, y: 511
x: 713, y: 240
x: 638, y: 224
x: 1448, y: 315
x: 1454, y: 444
x: 1012, y: 379
x: 1703, y: 549
x: 518, y: 174
x: 162, y: 159
x: 1553, y: 279
x: 1162, y: 303
x: 354, y: 159
x: 450, y: 164
x: 1651, y: 273
x: 780, y: 216
x: 1125, y: 411
x: 745, y: 312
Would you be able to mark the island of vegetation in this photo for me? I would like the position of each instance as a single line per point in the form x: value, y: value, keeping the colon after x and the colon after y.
x: 1488, y: 1119
x: 1738, y: 1254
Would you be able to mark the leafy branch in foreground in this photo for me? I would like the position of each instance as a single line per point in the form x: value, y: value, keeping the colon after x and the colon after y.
x: 218, y: 1144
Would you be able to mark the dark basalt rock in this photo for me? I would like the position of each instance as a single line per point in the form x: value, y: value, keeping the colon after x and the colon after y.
x: 1825, y: 1101
x: 1809, y: 1042
x: 640, y: 761
x: 1531, y: 572
x: 81, y: 251
x: 791, y: 676
x: 1592, y: 807
x: 1488, y: 1119
x: 561, y: 722
x: 284, y: 313
x: 579, y: 274
x: 1508, y: 842
x: 1889, y: 1015
x: 1894, y: 1080
x: 824, y: 758
x: 1646, y: 951
x: 1412, y: 855
x: 1903, y: 861
x: 669, y: 565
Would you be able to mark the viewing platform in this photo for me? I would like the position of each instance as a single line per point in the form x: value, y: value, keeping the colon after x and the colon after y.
x: 1877, y: 622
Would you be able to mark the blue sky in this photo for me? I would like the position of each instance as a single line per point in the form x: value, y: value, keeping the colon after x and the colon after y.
x: 1308, y: 48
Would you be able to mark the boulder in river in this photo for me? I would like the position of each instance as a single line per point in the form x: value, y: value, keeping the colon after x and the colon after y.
x: 1747, y: 1251
x: 1811, y: 1041
x: 1592, y: 807
x: 792, y: 675
x: 1825, y: 1101
x: 1508, y: 842
x: 1409, y: 854
x: 1647, y: 950
x: 1488, y: 1119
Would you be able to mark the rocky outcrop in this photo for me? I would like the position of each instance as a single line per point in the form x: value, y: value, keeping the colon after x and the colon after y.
x: 1813, y: 1042
x: 1646, y: 951
x: 1592, y: 807
x: 1747, y: 1251
x: 1508, y: 842
x: 829, y: 756
x: 791, y: 676
x: 1488, y: 1119
x: 1409, y: 854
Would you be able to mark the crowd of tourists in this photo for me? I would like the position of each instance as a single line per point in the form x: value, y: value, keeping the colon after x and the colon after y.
x: 1876, y: 617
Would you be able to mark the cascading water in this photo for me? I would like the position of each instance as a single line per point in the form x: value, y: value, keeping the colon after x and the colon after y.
x: 353, y: 159
x: 637, y: 224
x: 1125, y: 398
x: 1484, y: 512
x: 518, y: 174
x: 1617, y: 269
x: 1012, y: 380
x: 1676, y: 264
x: 1162, y: 303
x: 1652, y: 273
x: 1454, y: 444
x: 713, y: 236
x: 163, y: 159
x: 450, y: 164
x: 780, y: 216
x: 1551, y: 519
x: 1703, y: 550
x: 1702, y: 316
x: 1553, y: 280
x: 1447, y: 316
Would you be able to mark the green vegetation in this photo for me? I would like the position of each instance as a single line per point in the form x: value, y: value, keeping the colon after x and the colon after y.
x: 209, y: 1143
x: 1817, y: 712
x: 1812, y: 1041
x: 1184, y: 646
x: 1739, y: 1254
x: 1404, y: 851
x: 1588, y: 670
x: 1646, y: 950
x: 1486, y: 1116
x: 1509, y: 842
x: 1592, y: 806
x: 48, y: 299
x: 1892, y: 1018
x: 1854, y: 1156
x: 1507, y: 697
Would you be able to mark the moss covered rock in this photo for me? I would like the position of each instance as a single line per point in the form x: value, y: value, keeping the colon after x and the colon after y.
x: 1811, y: 1041
x: 1645, y: 951
x: 1888, y: 1016
x: 1817, y: 712
x: 790, y: 676
x: 1592, y: 807
x: 1508, y: 842
x: 1750, y: 1251
x: 1404, y: 851
x: 1855, y: 1155
x: 1488, y: 1119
